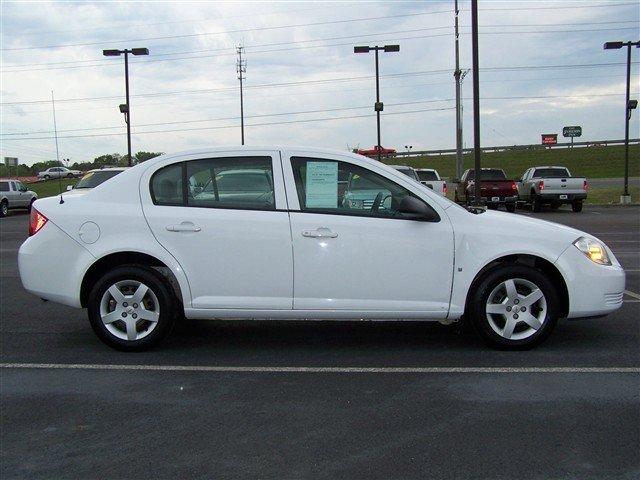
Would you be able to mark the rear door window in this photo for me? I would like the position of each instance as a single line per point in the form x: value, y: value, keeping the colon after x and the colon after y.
x: 4, y: 186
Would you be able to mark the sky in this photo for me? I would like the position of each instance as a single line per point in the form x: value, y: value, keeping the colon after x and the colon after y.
x: 542, y: 67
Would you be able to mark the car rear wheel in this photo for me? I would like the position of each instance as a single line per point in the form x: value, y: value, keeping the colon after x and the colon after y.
x: 511, y: 207
x: 514, y: 307
x: 4, y: 208
x: 576, y: 206
x: 132, y: 308
x: 536, y: 204
x: 47, y: 177
x: 70, y: 175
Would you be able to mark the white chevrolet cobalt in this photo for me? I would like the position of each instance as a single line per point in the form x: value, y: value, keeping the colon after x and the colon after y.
x: 304, y: 233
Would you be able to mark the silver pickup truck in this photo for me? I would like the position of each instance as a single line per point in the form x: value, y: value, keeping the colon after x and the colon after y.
x: 13, y: 194
x: 551, y: 185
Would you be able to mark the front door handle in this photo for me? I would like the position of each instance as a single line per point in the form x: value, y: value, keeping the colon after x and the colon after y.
x: 322, y: 232
x: 183, y: 227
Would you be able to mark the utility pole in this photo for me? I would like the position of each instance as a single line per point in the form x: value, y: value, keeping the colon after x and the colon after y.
x: 457, y: 75
x: 476, y: 102
x: 55, y: 128
x: 241, y: 67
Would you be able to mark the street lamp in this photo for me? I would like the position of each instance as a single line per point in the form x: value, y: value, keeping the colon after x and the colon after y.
x: 408, y: 149
x: 379, y: 105
x: 124, y: 108
x: 629, y: 106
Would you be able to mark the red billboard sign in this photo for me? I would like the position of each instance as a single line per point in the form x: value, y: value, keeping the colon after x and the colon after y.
x: 549, y: 138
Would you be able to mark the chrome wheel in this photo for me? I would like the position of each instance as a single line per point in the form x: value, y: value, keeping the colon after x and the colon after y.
x: 516, y: 309
x: 5, y: 209
x: 129, y: 310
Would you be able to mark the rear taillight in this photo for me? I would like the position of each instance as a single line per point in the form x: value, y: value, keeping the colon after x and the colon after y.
x: 585, y: 186
x: 514, y: 187
x: 444, y: 188
x: 36, y: 221
x: 541, y: 185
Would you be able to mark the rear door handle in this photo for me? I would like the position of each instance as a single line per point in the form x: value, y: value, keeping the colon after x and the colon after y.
x: 183, y: 227
x: 322, y: 232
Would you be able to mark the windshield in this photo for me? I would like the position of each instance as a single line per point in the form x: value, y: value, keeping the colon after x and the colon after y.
x: 489, y: 174
x: 551, y: 173
x: 93, y: 179
x: 409, y: 172
x: 427, y: 175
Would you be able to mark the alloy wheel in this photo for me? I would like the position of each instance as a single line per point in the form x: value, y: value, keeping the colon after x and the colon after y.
x: 516, y: 309
x: 129, y: 310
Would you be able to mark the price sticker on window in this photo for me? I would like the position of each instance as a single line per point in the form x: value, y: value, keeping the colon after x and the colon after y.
x: 322, y: 185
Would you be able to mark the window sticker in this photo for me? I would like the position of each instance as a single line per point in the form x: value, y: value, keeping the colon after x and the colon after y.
x: 322, y: 185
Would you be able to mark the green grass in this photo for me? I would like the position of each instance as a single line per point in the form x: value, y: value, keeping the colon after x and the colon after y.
x: 590, y: 162
x: 610, y: 195
x: 51, y: 187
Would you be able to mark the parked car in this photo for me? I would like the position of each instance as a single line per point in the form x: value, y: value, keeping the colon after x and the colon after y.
x: 14, y: 195
x: 373, y: 152
x: 495, y: 189
x: 142, y: 251
x: 408, y: 171
x: 551, y: 185
x: 431, y: 178
x: 92, y: 179
x: 58, y: 172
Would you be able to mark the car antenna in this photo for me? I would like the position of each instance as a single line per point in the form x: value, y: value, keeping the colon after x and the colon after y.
x: 55, y: 131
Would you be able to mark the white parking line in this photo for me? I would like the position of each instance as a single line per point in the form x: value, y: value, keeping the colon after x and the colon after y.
x: 632, y: 294
x: 276, y: 369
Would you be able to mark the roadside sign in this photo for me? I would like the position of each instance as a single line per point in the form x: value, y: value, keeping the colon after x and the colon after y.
x: 10, y: 161
x: 573, y: 131
x: 549, y: 138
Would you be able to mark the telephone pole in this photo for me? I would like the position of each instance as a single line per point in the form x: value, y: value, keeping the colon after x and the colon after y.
x: 241, y: 67
x: 459, y: 76
x: 476, y: 102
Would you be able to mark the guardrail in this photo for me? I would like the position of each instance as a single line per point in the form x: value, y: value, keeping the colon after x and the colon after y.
x: 502, y: 148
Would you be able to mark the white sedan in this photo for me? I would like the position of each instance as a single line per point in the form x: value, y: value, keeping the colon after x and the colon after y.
x: 276, y: 233
x: 59, y: 172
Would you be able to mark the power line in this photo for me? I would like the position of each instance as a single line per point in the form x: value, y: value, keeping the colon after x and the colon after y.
x: 235, y: 126
x: 321, y: 81
x: 327, y: 110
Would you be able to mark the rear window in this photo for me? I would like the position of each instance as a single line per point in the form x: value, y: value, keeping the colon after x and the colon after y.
x: 427, y: 176
x: 93, y: 179
x: 4, y: 186
x: 490, y: 174
x: 409, y: 172
x: 551, y: 173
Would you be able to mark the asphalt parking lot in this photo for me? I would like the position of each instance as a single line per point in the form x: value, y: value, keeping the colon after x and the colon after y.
x: 295, y: 400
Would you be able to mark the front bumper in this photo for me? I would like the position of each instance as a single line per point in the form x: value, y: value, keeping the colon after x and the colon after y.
x: 594, y: 290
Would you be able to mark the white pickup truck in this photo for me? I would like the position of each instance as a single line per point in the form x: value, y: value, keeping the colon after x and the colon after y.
x: 551, y: 185
x: 431, y: 178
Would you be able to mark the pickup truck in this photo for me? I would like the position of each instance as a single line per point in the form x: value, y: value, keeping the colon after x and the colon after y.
x: 408, y: 171
x: 431, y: 178
x: 551, y: 185
x: 495, y: 189
x: 13, y: 194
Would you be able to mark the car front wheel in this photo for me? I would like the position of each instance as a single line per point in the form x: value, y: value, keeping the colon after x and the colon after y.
x: 514, y: 307
x: 132, y: 308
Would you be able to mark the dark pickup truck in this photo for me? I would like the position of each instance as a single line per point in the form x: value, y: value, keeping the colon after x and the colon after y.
x: 495, y: 189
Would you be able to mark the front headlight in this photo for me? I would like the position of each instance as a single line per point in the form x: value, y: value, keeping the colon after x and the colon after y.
x: 593, y: 249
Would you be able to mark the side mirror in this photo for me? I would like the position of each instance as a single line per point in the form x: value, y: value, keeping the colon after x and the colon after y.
x: 69, y: 187
x: 413, y: 208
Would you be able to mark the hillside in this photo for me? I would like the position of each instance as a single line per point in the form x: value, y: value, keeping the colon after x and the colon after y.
x: 590, y: 162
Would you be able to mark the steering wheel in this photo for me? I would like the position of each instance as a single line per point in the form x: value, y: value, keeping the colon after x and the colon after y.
x: 377, y: 202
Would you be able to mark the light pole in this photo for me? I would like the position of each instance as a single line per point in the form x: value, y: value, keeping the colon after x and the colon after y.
x: 125, y: 108
x: 379, y: 105
x: 408, y: 149
x: 476, y: 102
x: 629, y: 105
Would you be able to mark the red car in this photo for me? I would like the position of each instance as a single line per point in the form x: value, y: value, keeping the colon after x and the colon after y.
x: 373, y: 153
x: 495, y: 189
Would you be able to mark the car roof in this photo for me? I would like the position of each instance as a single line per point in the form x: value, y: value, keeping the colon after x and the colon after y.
x: 108, y: 169
x: 425, y: 169
x: 400, y: 166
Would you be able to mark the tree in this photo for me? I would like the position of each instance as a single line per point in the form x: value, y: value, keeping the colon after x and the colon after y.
x: 144, y: 156
x: 108, y: 160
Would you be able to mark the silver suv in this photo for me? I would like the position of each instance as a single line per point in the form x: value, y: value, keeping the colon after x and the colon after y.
x: 13, y: 194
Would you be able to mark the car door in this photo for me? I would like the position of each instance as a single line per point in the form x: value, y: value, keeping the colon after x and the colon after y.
x: 353, y: 255
x: 523, y: 192
x: 224, y: 219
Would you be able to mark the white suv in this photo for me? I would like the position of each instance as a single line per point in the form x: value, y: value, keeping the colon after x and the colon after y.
x: 271, y: 233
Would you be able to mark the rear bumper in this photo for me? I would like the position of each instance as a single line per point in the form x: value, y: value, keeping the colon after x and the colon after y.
x: 52, y: 265
x: 555, y: 197
x: 496, y: 199
x: 594, y: 290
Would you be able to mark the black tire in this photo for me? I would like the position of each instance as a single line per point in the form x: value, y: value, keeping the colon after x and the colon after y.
x: 47, y: 177
x: 476, y: 309
x: 70, y: 175
x: 4, y: 208
x: 157, y: 284
x: 30, y: 205
x: 576, y: 206
x: 536, y: 204
x: 511, y: 207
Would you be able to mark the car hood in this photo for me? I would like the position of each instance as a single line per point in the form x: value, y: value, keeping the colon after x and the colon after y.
x: 530, y: 226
